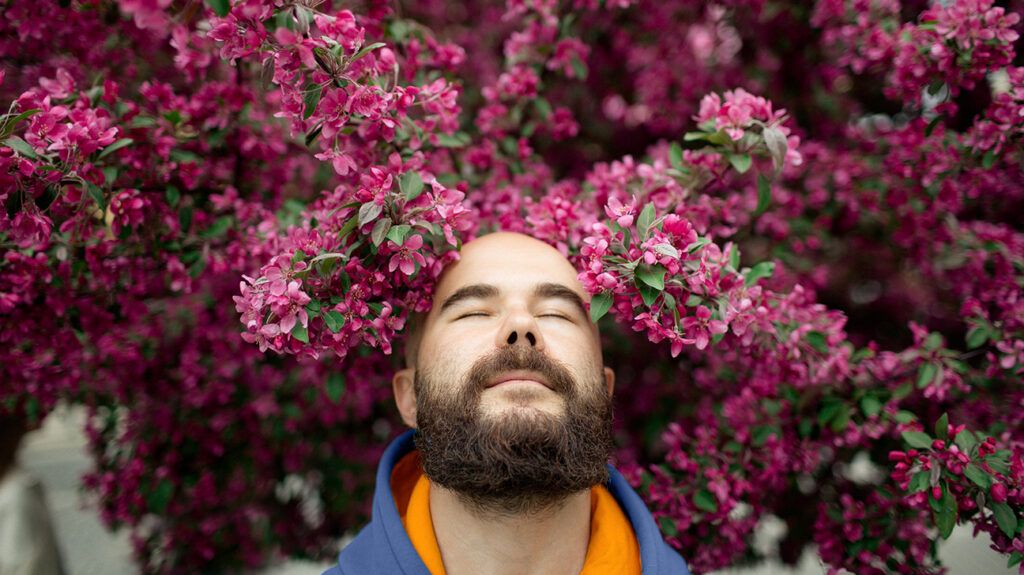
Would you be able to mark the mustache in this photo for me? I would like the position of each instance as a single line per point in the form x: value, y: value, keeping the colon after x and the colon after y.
x: 516, y: 358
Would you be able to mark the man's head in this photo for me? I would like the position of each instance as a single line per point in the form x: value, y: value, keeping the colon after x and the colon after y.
x: 506, y: 385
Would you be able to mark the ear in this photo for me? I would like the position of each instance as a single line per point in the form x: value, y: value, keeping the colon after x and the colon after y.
x: 609, y: 380
x: 405, y: 395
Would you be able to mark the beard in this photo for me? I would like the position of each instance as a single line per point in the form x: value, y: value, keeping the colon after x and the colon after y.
x: 522, y: 461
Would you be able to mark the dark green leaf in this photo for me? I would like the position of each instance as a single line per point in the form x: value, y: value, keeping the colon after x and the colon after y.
x: 668, y: 526
x: 158, y: 499
x: 919, y: 482
x: 817, y: 340
x: 1006, y: 518
x: 367, y: 50
x: 705, y: 501
x: 698, y: 244
x: 123, y: 142
x: 299, y: 332
x: 917, y: 440
x: 599, y: 305
x: 989, y: 159
x: 649, y: 294
x: 311, y: 99
x: 653, y: 276
x: 543, y: 108
x: 979, y: 476
x: 173, y: 195
x: 842, y: 419
x: 11, y: 121
x: 96, y: 194
x: 942, y: 427
x: 946, y: 517
x: 220, y: 7
x: 741, y: 162
x: 335, y: 387
x: 1015, y: 559
x: 764, y: 194
x: 579, y: 68
x: 932, y: 125
x: 905, y: 417
x: 334, y: 320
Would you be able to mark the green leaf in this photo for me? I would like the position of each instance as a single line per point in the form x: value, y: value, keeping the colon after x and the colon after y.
x: 668, y: 526
x: 644, y: 220
x: 905, y: 417
x: 946, y: 517
x: 649, y: 294
x: 817, y: 340
x: 398, y: 233
x: 220, y: 7
x: 411, y: 185
x: 764, y: 194
x: 989, y: 159
x: 96, y: 194
x: 761, y: 270
x: 160, y: 496
x: 10, y: 121
x: 741, y: 162
x: 335, y: 387
x: 977, y: 336
x: 123, y: 142
x: 979, y: 476
x: 917, y: 440
x: 311, y: 99
x: 1006, y: 518
x: 675, y: 155
x: 334, y: 320
x: 870, y: 405
x: 184, y: 218
x: 777, y: 146
x: 966, y: 441
x: 705, y: 501
x: 919, y: 482
x: 698, y: 244
x: 543, y: 108
x: 21, y: 146
x: 828, y: 411
x: 380, y: 229
x: 926, y: 374
x: 933, y: 341
x: 1015, y: 558
x: 842, y: 419
x: 734, y: 258
x: 173, y: 195
x: 942, y: 427
x: 579, y: 68
x: 653, y: 276
x: 367, y: 50
x: 299, y: 332
x: 348, y: 227
x: 932, y: 125
x: 452, y: 141
x: 368, y: 212
x: 599, y: 305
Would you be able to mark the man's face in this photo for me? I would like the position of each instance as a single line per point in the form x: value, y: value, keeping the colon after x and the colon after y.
x: 512, y: 403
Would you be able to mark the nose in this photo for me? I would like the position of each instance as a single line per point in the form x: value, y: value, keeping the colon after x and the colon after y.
x: 520, y: 328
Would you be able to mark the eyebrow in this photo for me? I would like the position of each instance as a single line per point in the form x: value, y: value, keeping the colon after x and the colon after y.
x: 542, y: 291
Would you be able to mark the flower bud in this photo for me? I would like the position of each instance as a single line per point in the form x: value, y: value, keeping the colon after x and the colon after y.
x: 998, y: 493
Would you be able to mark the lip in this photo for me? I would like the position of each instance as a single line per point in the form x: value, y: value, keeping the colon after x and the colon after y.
x: 526, y: 376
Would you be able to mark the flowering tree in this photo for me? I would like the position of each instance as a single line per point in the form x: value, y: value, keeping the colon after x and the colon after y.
x: 840, y: 279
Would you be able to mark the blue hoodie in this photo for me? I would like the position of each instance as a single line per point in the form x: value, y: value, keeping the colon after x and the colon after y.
x: 384, y: 548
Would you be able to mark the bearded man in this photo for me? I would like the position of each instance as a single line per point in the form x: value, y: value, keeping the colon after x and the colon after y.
x: 505, y: 470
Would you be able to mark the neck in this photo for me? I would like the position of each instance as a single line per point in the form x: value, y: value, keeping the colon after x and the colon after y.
x: 549, y: 542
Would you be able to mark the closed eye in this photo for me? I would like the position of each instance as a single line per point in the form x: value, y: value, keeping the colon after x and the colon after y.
x: 559, y: 316
x: 472, y: 314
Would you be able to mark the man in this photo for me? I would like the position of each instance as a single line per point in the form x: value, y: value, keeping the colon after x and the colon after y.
x: 505, y: 471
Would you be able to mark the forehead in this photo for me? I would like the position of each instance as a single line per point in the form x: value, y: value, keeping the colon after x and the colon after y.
x: 513, y: 263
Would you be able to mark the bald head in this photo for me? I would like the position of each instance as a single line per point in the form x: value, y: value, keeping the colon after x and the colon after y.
x: 501, y: 257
